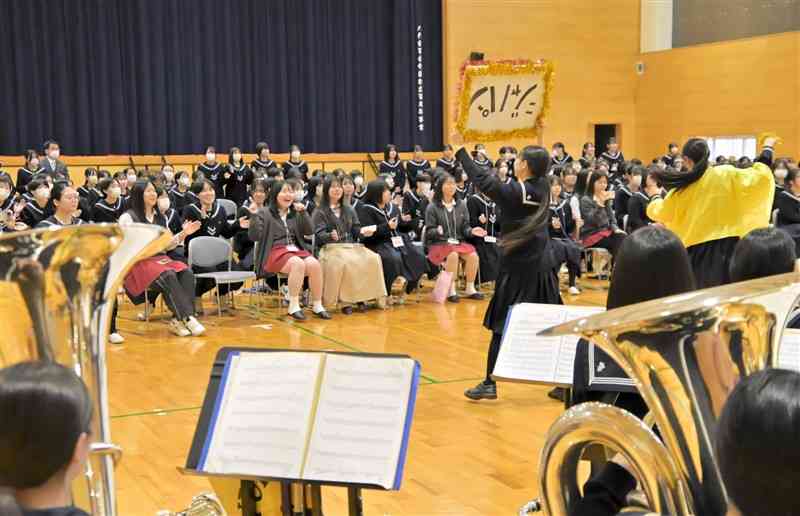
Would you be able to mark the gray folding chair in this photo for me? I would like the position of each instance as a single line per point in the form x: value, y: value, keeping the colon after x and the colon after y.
x: 207, y: 251
x: 231, y: 210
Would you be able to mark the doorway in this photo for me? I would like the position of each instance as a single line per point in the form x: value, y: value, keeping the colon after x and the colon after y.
x: 602, y: 134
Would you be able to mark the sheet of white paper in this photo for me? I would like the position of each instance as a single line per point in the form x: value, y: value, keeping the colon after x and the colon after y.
x: 789, y: 354
x: 265, y: 415
x: 524, y: 356
x: 361, y: 413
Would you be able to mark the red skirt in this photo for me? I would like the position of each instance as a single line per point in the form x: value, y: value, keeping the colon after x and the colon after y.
x: 148, y: 270
x: 279, y: 255
x: 439, y: 252
x: 592, y: 239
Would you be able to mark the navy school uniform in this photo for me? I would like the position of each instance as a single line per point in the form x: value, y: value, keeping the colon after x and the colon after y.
x: 105, y: 212
x: 566, y: 249
x: 300, y: 168
x: 621, y: 198
x: 449, y: 165
x: 216, y: 174
x: 396, y: 172
x: 637, y: 212
x: 485, y: 163
x: 615, y: 162
x: 486, y: 247
x: 263, y: 165
x: 90, y: 194
x: 32, y: 214
x: 237, y: 184
x: 413, y: 169
x: 52, y: 221
x: 24, y: 176
x: 415, y: 205
x: 556, y: 161
x: 174, y: 222
x: 181, y: 200
x: 788, y: 206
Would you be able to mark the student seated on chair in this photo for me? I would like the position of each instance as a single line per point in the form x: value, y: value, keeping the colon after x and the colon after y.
x: 180, y: 194
x: 161, y: 274
x: 637, y: 205
x: 352, y: 273
x: 415, y: 202
x: 599, y: 224
x: 37, y: 207
x: 45, y: 436
x: 242, y: 245
x: 174, y: 222
x: 448, y: 228
x: 213, y: 223
x: 279, y: 228
x: 483, y: 213
x: 566, y: 250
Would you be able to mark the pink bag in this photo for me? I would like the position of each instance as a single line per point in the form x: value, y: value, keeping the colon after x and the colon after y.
x: 442, y: 288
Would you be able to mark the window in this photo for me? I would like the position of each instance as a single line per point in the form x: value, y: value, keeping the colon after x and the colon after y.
x: 731, y: 146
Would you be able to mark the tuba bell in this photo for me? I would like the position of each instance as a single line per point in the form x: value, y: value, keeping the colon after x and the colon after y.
x: 685, y: 353
x: 57, y: 287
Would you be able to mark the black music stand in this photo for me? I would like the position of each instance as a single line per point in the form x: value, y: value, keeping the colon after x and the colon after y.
x: 248, y: 490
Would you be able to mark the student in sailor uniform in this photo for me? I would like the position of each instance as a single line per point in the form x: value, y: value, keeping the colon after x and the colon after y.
x: 122, y: 180
x: 9, y: 207
x: 349, y: 187
x: 569, y: 176
x: 779, y: 170
x: 392, y: 166
x: 214, y: 171
x: 502, y: 172
x: 399, y: 257
x: 295, y: 164
x: 242, y: 245
x: 89, y: 191
x: 262, y: 160
x: 38, y: 207
x: 447, y: 162
x: 527, y: 262
x: 637, y: 205
x: 483, y: 213
x: 28, y: 171
x: 314, y: 194
x: 180, y: 195
x: 560, y: 157
x: 214, y: 223
x: 508, y: 155
x: 672, y: 152
x: 788, y: 205
x: 562, y: 226
x: 111, y: 206
x: 173, y: 221
x: 52, y: 164
x: 358, y: 182
x: 64, y: 201
x: 480, y: 157
x: 632, y: 184
x: 614, y: 158
x: 239, y: 177
x: 587, y: 155
x: 415, y: 166
x: 463, y: 185
x: 415, y: 202
x: 167, y: 176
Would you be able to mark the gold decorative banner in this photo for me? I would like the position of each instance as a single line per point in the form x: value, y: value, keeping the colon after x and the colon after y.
x: 503, y: 99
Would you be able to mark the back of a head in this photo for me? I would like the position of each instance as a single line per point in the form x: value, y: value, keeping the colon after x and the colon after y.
x: 44, y: 408
x: 652, y: 263
x: 756, y: 443
x: 763, y: 252
x: 537, y: 158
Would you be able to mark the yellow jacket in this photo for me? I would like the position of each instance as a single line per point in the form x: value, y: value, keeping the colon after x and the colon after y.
x: 725, y: 202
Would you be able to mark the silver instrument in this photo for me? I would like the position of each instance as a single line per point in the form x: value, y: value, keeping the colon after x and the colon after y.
x: 685, y: 353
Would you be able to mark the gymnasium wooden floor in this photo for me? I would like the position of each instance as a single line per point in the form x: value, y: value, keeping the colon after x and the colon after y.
x: 465, y: 458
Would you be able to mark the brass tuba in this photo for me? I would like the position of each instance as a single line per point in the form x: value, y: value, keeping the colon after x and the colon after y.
x: 685, y: 353
x: 57, y: 287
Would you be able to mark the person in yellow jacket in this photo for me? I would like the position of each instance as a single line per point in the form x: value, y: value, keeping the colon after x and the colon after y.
x: 711, y: 207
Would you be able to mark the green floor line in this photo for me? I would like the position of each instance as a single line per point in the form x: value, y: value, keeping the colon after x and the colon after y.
x: 339, y: 343
x: 155, y: 412
x: 439, y: 382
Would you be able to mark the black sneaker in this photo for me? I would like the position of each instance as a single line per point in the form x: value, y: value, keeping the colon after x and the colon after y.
x: 347, y: 310
x: 411, y: 286
x: 453, y: 299
x: 482, y: 391
x: 298, y: 316
x: 323, y: 315
x: 477, y: 296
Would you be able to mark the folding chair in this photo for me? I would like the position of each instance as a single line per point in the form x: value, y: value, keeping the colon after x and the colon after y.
x: 210, y: 252
x: 231, y: 210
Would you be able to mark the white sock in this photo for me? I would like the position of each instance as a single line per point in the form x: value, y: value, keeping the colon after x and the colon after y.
x: 470, y: 289
x: 294, y: 304
x: 318, y: 307
x: 453, y: 288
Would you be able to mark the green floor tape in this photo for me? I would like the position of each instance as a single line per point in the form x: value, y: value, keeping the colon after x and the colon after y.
x: 155, y: 412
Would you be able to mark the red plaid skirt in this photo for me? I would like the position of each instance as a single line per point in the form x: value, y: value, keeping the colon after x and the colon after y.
x: 279, y: 255
x: 439, y: 252
x: 146, y: 271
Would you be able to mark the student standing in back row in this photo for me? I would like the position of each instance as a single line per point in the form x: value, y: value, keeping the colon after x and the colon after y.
x: 614, y: 158
x: 262, y: 161
x: 239, y: 177
x: 391, y: 166
x: 295, y: 165
x: 213, y: 171
x: 415, y: 166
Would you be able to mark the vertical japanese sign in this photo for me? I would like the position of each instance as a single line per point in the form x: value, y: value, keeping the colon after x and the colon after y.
x: 420, y: 89
x: 504, y: 99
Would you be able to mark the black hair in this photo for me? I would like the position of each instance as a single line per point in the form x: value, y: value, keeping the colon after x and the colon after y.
x: 136, y: 198
x: 47, y: 145
x: 423, y: 177
x: 721, y: 160
x: 391, y: 147
x: 447, y: 147
x: 744, y: 162
x: 29, y: 155
x: 181, y: 173
x: 558, y: 145
x: 261, y: 146
x: 36, y: 183
x: 639, y: 268
x: 418, y: 148
x: 756, y: 443
x: 273, y: 172
x: 104, y: 184
x: 695, y: 149
x: 762, y: 252
x: 231, y: 153
x: 311, y: 188
x: 198, y: 185
x: 6, y: 180
x: 595, y: 176
x: 671, y: 146
x: 45, y: 408
x: 293, y: 147
x: 611, y: 141
x: 791, y: 176
x: 58, y: 190
x: 374, y: 193
x: 259, y: 183
x: 586, y: 147
x: 537, y: 160
x: 345, y: 214
x: 272, y: 200
x: 211, y: 148
x: 91, y: 171
x: 438, y: 195
x: 554, y: 179
x: 568, y: 171
x: 556, y: 170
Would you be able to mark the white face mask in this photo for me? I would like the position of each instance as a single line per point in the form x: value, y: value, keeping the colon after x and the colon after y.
x: 358, y: 181
x: 115, y: 191
x: 295, y: 155
x: 54, y: 154
x: 131, y: 179
x: 163, y: 203
x: 210, y: 156
x: 42, y: 193
x: 185, y: 180
x: 425, y: 188
x: 169, y: 175
x: 780, y: 173
x: 298, y: 196
x: 4, y: 193
x: 464, y: 177
x: 237, y: 158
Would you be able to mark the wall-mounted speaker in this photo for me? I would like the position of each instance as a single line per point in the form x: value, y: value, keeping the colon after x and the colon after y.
x: 639, y: 68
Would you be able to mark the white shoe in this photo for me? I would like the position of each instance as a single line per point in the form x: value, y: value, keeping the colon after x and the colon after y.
x: 116, y: 338
x: 574, y: 291
x: 178, y: 328
x: 194, y: 326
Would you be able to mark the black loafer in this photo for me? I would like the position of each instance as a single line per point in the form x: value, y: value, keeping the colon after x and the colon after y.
x: 557, y: 394
x: 411, y: 286
x: 482, y: 391
x: 347, y: 310
x: 361, y: 307
x: 323, y: 314
x: 453, y: 299
x: 476, y: 296
x: 298, y: 316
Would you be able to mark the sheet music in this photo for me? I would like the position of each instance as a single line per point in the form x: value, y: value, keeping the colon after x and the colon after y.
x: 789, y: 354
x: 265, y: 414
x: 525, y: 356
x: 361, y: 415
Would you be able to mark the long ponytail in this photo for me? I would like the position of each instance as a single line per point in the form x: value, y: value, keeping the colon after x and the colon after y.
x: 537, y: 159
x: 695, y: 149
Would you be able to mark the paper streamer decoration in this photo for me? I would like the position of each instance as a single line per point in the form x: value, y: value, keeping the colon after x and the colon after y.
x: 503, y: 99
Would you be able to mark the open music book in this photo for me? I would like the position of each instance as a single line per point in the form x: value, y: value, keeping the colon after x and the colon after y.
x: 526, y: 357
x: 789, y: 354
x: 313, y: 416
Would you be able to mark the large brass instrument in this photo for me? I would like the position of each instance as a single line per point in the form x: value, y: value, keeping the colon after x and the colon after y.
x: 685, y: 353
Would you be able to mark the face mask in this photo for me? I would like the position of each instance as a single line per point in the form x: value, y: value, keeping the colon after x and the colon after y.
x: 4, y: 193
x: 54, y: 154
x: 390, y: 182
x: 185, y: 181
x: 131, y: 179
x: 34, y: 164
x: 115, y: 191
x: 169, y: 176
x: 464, y: 177
x: 237, y: 158
x: 661, y: 165
x: 163, y: 203
x: 92, y: 180
x: 780, y: 173
x: 425, y: 188
x: 295, y: 155
x: 43, y: 193
x: 358, y: 181
x: 298, y: 196
x: 210, y: 156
